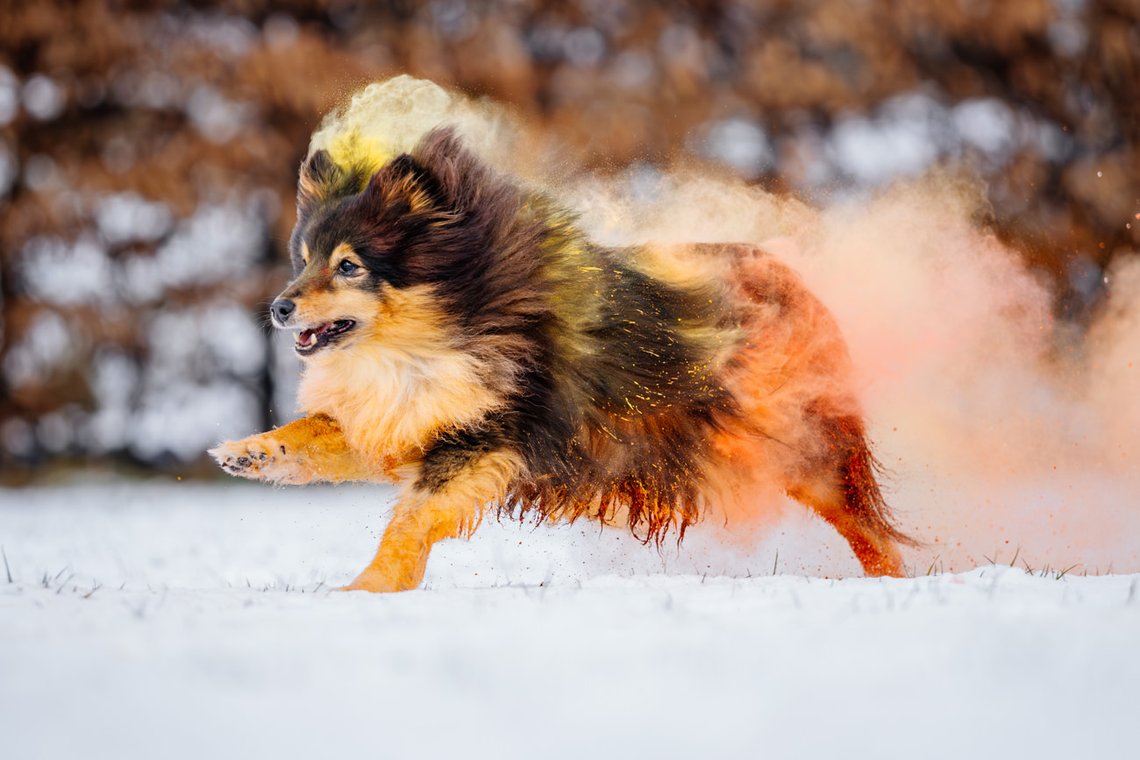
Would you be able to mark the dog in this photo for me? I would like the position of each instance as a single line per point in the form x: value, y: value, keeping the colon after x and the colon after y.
x: 463, y: 339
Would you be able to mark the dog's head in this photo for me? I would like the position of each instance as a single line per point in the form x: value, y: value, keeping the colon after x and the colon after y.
x: 368, y: 244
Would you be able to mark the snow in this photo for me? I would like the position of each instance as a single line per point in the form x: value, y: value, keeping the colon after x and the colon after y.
x: 740, y: 144
x: 43, y: 98
x: 67, y: 273
x: 47, y: 342
x: 985, y: 123
x: 126, y: 217
x: 902, y: 140
x: 189, y: 621
x: 214, y: 116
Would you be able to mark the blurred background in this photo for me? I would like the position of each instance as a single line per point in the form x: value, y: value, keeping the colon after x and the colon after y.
x: 148, y: 153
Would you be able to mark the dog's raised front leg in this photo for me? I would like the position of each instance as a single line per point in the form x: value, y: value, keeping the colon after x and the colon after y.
x: 446, y: 502
x: 308, y: 450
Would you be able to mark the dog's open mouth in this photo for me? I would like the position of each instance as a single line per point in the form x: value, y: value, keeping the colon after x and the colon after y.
x: 315, y: 338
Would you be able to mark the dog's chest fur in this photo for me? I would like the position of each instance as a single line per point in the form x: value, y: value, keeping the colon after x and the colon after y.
x: 392, y: 403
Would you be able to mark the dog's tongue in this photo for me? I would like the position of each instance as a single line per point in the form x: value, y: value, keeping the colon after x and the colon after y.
x: 307, y: 338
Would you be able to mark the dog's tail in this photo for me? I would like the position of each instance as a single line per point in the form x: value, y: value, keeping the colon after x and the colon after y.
x: 842, y: 486
x: 860, y: 472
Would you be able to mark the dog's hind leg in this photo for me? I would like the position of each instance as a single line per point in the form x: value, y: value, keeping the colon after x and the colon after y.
x: 432, y: 511
x: 840, y: 487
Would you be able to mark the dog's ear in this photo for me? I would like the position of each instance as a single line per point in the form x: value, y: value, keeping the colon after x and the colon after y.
x: 406, y: 185
x: 321, y: 180
x: 460, y: 174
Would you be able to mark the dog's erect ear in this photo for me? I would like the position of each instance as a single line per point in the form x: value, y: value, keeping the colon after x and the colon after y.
x: 460, y: 175
x: 321, y: 180
x: 403, y: 182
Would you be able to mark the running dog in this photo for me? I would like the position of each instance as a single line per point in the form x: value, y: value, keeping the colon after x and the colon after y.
x: 463, y: 339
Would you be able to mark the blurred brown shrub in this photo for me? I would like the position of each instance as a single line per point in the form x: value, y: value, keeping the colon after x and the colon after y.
x: 148, y: 151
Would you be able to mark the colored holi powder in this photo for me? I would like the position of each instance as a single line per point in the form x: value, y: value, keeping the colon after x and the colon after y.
x: 388, y: 118
x: 1000, y: 438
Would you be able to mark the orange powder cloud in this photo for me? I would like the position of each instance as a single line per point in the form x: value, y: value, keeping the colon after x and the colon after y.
x: 1000, y: 435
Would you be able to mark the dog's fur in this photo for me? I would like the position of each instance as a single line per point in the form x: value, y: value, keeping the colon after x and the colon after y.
x: 496, y: 357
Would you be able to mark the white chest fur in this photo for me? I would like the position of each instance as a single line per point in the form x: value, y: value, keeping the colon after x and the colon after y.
x: 392, y: 402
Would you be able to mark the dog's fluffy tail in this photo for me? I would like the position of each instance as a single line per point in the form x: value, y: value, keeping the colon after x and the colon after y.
x: 860, y: 473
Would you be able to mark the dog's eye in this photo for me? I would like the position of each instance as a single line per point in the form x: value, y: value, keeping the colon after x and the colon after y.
x: 346, y: 267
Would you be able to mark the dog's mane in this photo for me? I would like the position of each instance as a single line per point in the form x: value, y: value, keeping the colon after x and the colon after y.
x: 615, y: 392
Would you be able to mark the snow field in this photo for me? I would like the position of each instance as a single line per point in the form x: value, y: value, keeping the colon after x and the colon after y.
x: 185, y: 621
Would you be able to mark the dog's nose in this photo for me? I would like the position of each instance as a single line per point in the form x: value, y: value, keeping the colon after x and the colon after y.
x: 282, y: 309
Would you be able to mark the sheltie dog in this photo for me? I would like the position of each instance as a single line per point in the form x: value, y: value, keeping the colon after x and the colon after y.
x: 462, y: 338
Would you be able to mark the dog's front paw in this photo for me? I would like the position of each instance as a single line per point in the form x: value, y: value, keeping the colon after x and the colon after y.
x: 261, y: 457
x: 247, y: 458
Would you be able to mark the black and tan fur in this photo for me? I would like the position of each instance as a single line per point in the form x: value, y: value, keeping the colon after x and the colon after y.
x: 495, y: 357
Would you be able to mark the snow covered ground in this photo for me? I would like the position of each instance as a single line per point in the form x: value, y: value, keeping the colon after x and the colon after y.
x: 190, y: 621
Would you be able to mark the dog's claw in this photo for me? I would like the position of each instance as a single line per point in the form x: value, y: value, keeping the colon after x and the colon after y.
x: 245, y: 462
x: 256, y: 458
